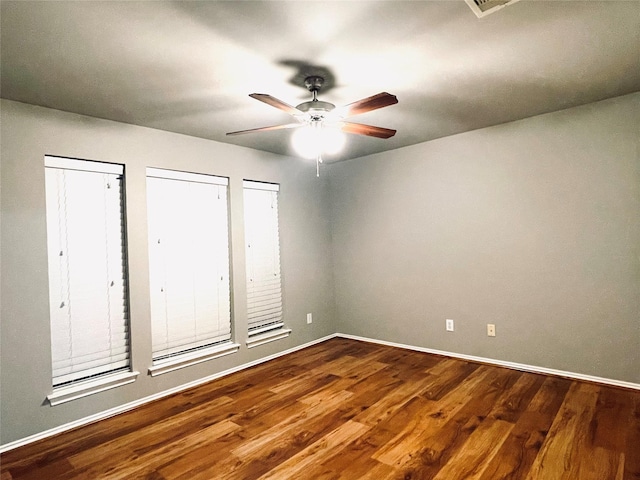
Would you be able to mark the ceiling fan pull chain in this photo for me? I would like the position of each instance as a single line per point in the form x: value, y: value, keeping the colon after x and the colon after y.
x: 318, y: 162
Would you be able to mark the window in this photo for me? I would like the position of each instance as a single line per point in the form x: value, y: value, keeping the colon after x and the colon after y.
x: 87, y: 277
x: 188, y: 268
x: 264, y: 289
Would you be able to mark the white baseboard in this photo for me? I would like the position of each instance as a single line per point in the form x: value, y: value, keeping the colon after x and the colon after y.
x: 515, y: 366
x: 131, y: 405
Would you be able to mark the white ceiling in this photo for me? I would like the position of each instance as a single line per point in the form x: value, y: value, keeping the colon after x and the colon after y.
x: 188, y: 67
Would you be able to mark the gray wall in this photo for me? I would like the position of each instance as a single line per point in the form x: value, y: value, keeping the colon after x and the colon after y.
x: 532, y: 225
x: 28, y: 133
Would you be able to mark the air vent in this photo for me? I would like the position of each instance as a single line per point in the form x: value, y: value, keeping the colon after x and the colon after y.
x: 485, y: 7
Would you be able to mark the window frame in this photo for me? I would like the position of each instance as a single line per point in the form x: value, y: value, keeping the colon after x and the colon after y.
x: 274, y: 328
x: 175, y: 358
x: 81, y: 382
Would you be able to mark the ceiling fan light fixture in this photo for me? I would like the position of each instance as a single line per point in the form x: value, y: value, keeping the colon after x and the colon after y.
x: 333, y: 140
x: 305, y: 142
x: 316, y: 139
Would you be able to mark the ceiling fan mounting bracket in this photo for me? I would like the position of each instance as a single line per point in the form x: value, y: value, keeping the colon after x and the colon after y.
x: 314, y: 83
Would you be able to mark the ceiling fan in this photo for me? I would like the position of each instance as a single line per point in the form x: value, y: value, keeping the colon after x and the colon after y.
x: 318, y: 114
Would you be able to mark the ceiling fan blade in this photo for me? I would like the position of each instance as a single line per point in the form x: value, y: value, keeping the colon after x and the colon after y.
x: 369, y: 130
x: 368, y: 104
x: 266, y: 129
x: 274, y: 102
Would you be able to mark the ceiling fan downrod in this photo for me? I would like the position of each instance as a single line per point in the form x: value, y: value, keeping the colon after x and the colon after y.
x: 314, y: 83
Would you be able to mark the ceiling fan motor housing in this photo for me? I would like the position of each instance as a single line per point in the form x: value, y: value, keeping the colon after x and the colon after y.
x: 316, y: 107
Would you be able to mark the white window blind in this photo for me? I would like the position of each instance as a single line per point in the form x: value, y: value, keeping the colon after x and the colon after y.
x: 264, y: 294
x: 188, y: 262
x: 87, y: 269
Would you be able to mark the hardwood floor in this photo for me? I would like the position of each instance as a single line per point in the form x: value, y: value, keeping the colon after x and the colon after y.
x: 351, y: 410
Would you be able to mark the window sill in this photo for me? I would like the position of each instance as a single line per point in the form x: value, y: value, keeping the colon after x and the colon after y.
x: 84, y: 389
x: 182, y: 361
x: 272, y: 336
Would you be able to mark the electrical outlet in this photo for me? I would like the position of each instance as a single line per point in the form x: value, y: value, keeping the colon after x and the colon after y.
x: 309, y: 318
x: 449, y: 325
x: 491, y: 330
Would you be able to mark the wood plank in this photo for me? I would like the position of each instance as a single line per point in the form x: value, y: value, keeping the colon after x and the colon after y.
x: 329, y: 445
x: 523, y: 444
x: 399, y: 451
x: 559, y: 456
x: 150, y: 437
x: 357, y: 461
x: 314, y: 407
x: 441, y: 444
x: 632, y: 452
x: 137, y: 465
x: 613, y: 412
x: 395, y: 401
x: 483, y: 444
x: 511, y: 406
x: 292, y: 442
